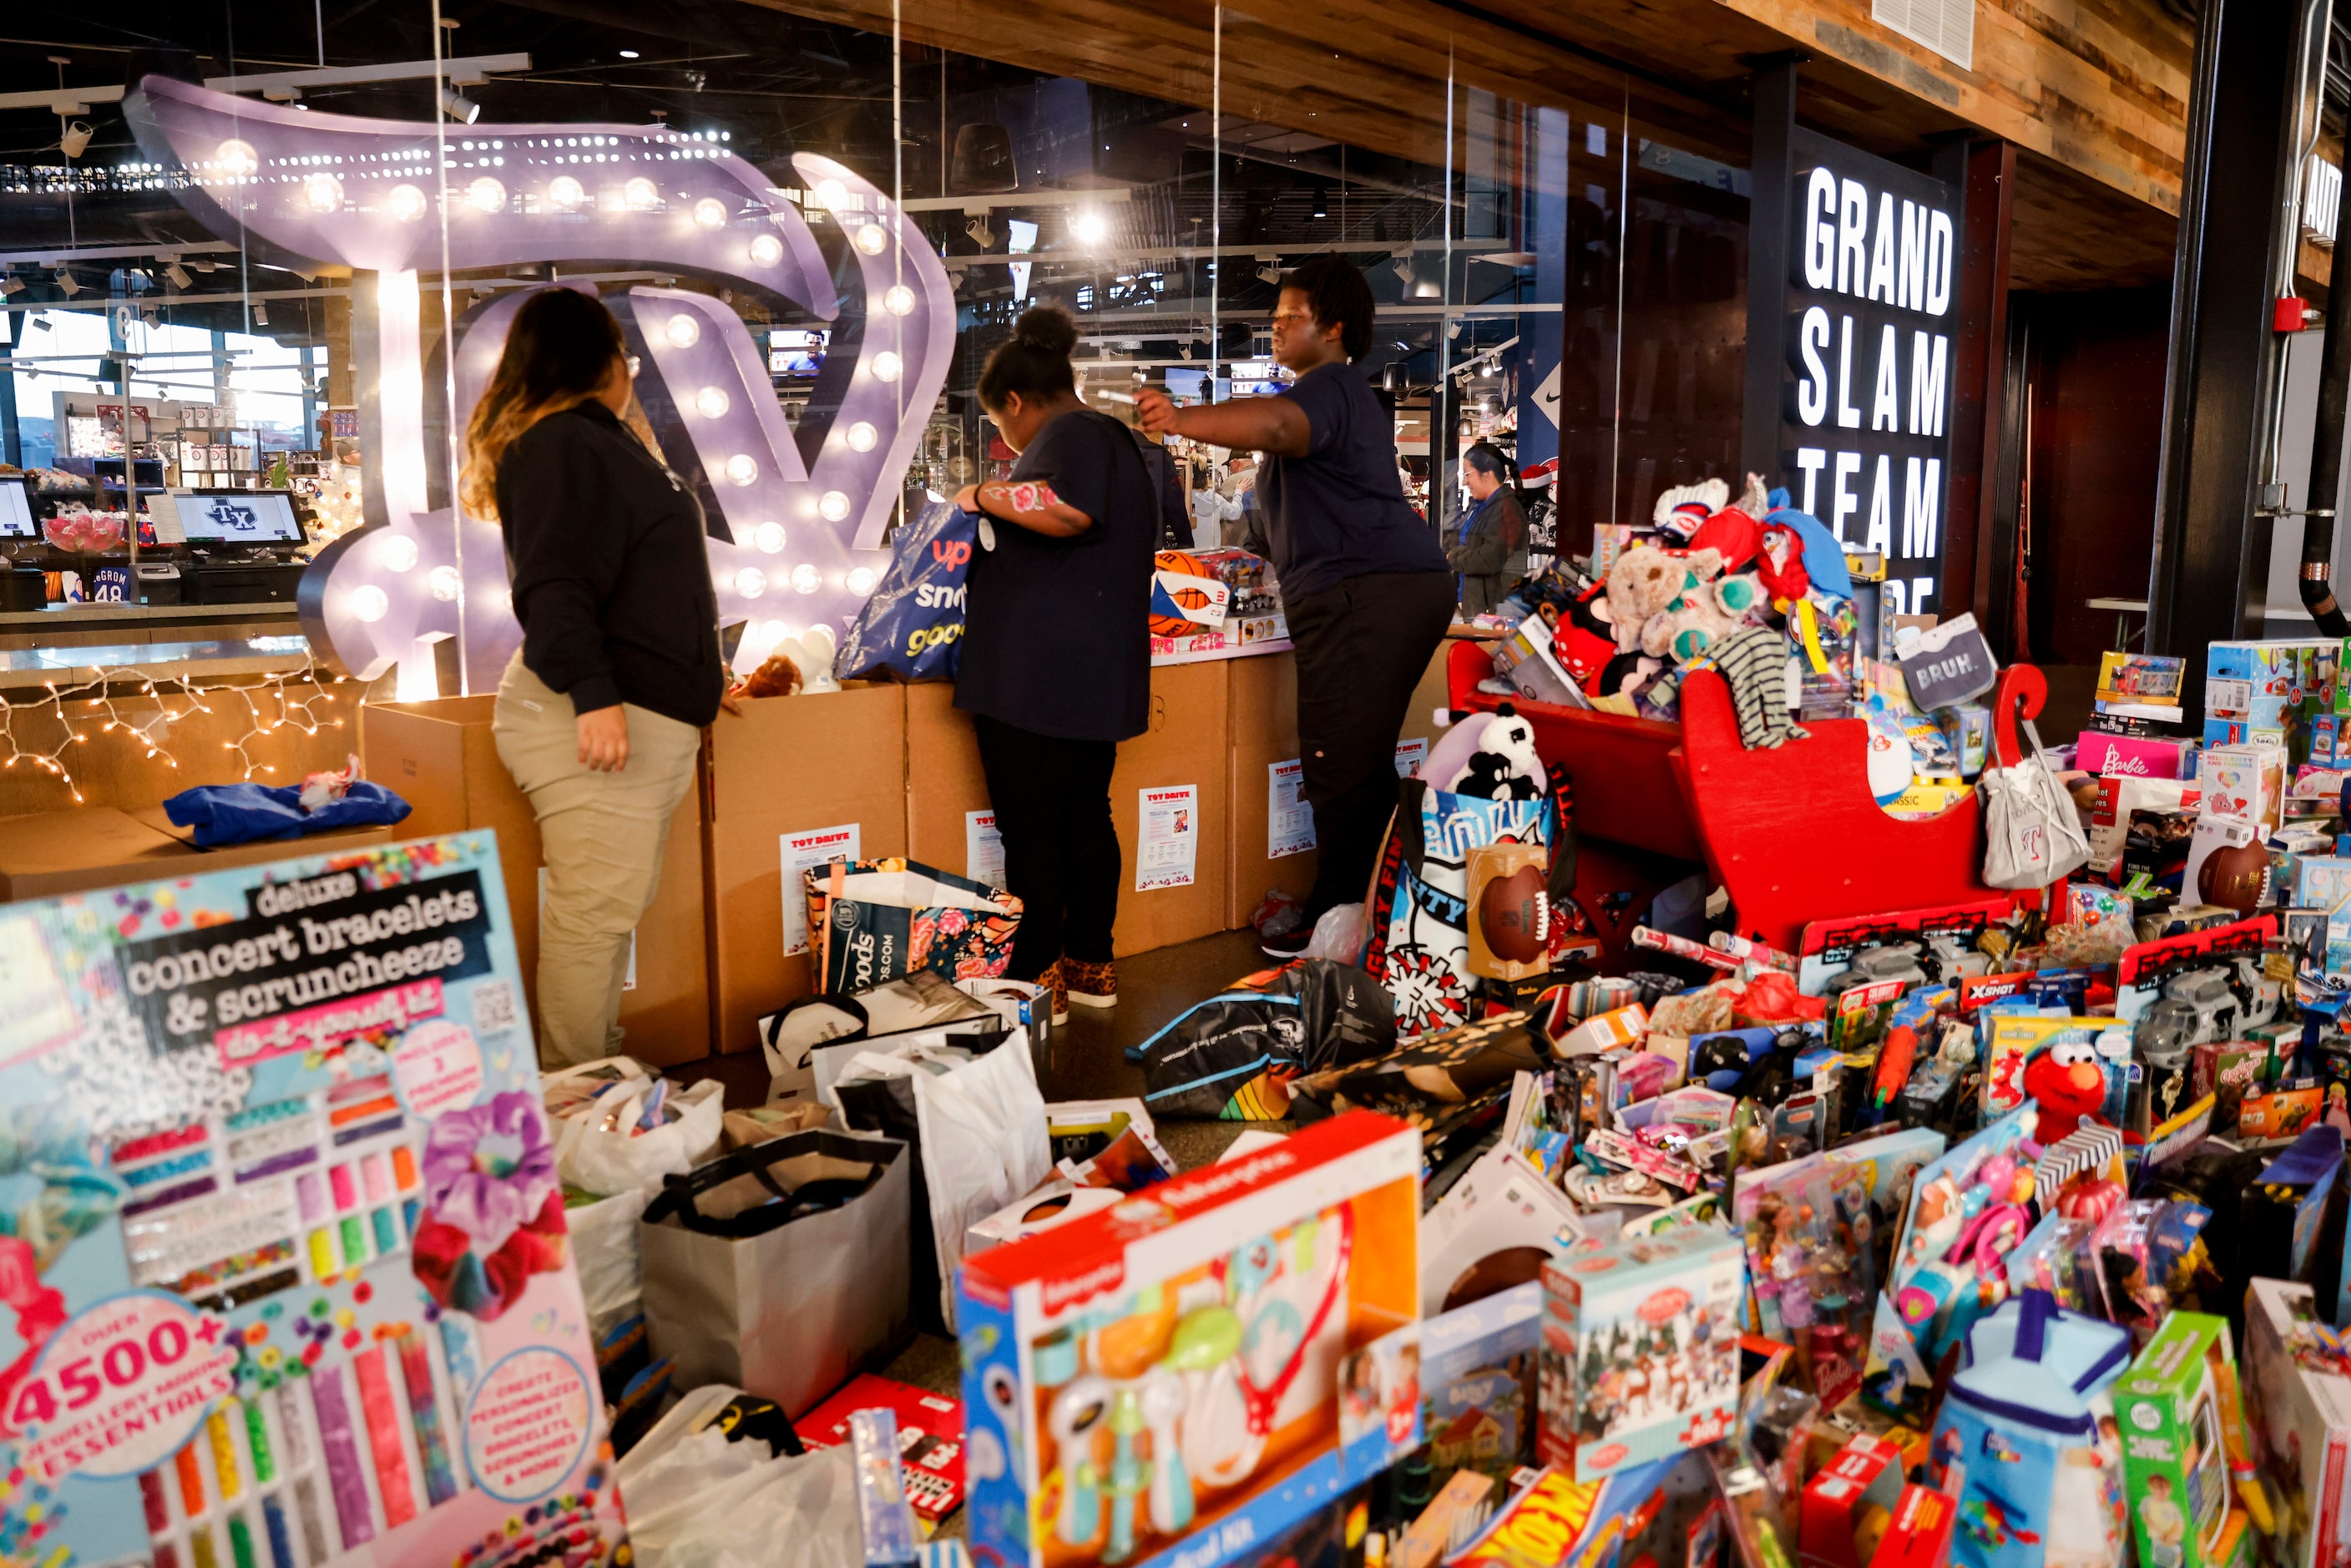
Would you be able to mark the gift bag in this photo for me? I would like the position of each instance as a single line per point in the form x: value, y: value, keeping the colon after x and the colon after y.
x: 1233, y: 1056
x: 1418, y: 919
x: 781, y: 1267
x: 2020, y: 1442
x: 911, y: 629
x: 874, y: 921
x: 602, y: 1146
x: 977, y: 1122
x: 2032, y: 837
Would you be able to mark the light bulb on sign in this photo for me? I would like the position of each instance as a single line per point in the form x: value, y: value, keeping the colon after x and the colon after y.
x: 1088, y: 228
x: 406, y: 202
x: 641, y: 193
x: 750, y: 582
x: 767, y: 250
x: 710, y: 213
x: 323, y: 192
x: 711, y: 403
x: 682, y: 330
x: 399, y: 552
x: 566, y: 192
x: 743, y: 469
x: 861, y: 580
x: 886, y: 366
x: 773, y: 632
x: 769, y: 538
x: 369, y: 604
x: 485, y: 195
x: 832, y: 195
x: 443, y: 582
x: 806, y: 578
x: 237, y: 156
x: 899, y: 300
x: 862, y: 437
x: 835, y: 505
x: 871, y: 239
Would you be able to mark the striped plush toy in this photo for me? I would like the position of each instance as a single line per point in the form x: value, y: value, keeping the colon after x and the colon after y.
x: 1755, y: 662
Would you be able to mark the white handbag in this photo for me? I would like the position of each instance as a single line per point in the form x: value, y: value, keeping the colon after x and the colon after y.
x: 2033, y: 836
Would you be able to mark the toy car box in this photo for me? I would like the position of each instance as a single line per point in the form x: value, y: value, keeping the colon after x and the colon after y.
x: 2300, y: 1374
x: 1162, y: 1382
x: 1640, y: 1353
x: 2172, y: 1409
x: 1477, y: 1381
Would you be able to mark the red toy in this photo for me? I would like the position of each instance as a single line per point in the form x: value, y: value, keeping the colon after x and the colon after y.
x: 2066, y: 1083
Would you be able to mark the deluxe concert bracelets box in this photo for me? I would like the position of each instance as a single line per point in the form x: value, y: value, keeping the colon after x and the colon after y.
x: 287, y: 1273
x: 1173, y: 1381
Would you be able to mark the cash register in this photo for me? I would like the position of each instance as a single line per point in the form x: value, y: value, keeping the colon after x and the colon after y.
x: 239, y: 545
x: 21, y: 587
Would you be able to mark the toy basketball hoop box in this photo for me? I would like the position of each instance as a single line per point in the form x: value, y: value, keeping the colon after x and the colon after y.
x: 1640, y: 1349
x: 287, y: 1278
x: 1174, y: 1380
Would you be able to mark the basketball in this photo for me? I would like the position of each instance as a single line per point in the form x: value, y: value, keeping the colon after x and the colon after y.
x: 1163, y: 623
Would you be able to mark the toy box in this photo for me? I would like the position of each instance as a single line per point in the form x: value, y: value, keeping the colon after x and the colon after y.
x: 1640, y: 1351
x: 285, y: 1253
x: 2174, y: 1409
x: 2300, y: 1372
x: 2247, y: 781
x: 2257, y: 693
x: 1478, y: 1384
x: 1849, y: 1503
x: 1182, y: 1377
x: 2130, y: 756
x: 1555, y: 1519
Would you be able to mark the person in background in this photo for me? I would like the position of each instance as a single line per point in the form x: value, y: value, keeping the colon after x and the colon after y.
x: 1363, y: 584
x: 600, y: 713
x: 1210, y: 511
x: 1490, y: 552
x: 1056, y: 662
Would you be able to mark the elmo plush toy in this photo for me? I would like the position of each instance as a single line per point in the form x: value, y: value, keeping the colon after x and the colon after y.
x: 2066, y: 1083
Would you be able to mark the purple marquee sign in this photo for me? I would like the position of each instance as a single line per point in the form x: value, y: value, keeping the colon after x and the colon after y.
x: 805, y: 535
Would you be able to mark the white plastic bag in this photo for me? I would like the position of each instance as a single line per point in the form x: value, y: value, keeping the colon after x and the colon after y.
x: 696, y: 1500
x: 604, y: 1246
x: 593, y: 1159
x: 1339, y: 936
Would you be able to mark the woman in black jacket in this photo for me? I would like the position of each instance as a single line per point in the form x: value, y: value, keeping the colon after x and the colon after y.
x: 600, y: 713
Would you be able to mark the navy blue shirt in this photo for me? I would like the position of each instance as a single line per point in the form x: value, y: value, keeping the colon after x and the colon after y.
x: 1057, y: 638
x: 1339, y: 511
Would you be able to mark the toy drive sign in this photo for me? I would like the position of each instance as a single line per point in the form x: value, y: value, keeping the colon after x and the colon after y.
x: 1866, y: 420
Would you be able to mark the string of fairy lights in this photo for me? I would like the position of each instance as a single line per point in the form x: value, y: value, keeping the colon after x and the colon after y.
x: 272, y: 703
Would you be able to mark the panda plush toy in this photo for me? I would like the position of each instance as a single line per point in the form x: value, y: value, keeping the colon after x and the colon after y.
x: 1488, y: 756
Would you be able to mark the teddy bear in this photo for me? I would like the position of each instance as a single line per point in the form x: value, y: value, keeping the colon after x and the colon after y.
x: 1706, y: 606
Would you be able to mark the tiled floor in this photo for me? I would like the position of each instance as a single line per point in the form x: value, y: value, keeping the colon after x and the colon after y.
x: 1088, y: 1062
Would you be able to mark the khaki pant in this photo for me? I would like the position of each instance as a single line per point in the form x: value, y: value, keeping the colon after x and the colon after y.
x: 602, y: 835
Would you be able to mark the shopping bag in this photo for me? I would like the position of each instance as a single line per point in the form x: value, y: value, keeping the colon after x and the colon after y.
x: 602, y: 1146
x: 224, y: 814
x: 2033, y: 836
x: 706, y: 1488
x: 1234, y: 1056
x: 911, y: 629
x: 979, y: 1123
x: 874, y: 921
x: 781, y: 1267
x: 1419, y: 915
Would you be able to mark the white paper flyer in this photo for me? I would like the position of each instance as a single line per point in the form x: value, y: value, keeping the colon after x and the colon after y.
x: 805, y: 851
x: 1170, y: 839
x: 1288, y: 820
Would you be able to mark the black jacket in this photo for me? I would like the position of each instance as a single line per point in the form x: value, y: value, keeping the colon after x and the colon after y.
x: 611, y: 575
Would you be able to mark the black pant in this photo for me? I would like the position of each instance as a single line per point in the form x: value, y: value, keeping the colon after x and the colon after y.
x: 1362, y: 647
x: 1060, y: 851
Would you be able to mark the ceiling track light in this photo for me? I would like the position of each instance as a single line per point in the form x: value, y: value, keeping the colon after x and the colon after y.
x: 981, y: 234
x: 261, y: 312
x: 68, y: 284
x: 73, y: 141
x: 177, y: 275
x: 458, y: 107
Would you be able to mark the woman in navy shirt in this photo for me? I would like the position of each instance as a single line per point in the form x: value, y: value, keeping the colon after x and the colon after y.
x: 1363, y: 584
x: 1056, y: 662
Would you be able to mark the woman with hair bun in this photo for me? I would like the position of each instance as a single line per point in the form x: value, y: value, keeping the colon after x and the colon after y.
x: 1056, y: 662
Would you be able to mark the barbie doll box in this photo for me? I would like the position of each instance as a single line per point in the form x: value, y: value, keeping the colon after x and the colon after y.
x: 1175, y: 1380
x: 1640, y: 1349
x: 287, y: 1273
x: 2300, y: 1374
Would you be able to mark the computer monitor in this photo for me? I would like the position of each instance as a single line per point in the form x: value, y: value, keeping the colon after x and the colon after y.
x: 150, y: 474
x: 17, y: 511
x: 238, y: 518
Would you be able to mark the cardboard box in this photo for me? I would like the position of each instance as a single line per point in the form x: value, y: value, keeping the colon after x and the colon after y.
x: 787, y: 766
x: 46, y: 854
x: 943, y: 783
x: 441, y: 758
x: 1866, y: 1473
x: 1185, y: 746
x: 2302, y: 1391
x: 1325, y: 1222
x: 1262, y: 718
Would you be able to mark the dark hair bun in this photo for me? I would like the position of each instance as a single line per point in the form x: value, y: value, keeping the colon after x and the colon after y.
x: 1047, y: 327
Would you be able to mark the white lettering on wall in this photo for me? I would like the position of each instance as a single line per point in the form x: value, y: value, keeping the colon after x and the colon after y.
x: 1820, y: 230
x: 1886, y: 401
x: 1922, y: 494
x: 1848, y: 416
x: 1926, y: 381
x: 1809, y: 461
x: 1842, y: 499
x: 1813, y: 392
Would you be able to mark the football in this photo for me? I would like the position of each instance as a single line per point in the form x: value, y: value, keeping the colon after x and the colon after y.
x: 1510, y: 915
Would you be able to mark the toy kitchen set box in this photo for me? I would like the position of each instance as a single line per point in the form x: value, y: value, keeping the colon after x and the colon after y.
x: 1174, y: 1380
x: 283, y: 1270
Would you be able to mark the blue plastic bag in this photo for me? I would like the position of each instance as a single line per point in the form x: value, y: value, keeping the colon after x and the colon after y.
x: 911, y: 627
x: 246, y: 813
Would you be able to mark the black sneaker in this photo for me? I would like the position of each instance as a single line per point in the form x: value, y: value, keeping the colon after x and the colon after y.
x: 1285, y: 933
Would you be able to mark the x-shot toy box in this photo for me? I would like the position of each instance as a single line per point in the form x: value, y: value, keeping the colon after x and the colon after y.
x: 1174, y: 1381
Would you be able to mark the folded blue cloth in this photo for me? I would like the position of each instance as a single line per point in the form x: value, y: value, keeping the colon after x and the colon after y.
x: 246, y: 813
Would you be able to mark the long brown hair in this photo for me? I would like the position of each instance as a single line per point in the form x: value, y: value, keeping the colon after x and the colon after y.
x: 560, y: 347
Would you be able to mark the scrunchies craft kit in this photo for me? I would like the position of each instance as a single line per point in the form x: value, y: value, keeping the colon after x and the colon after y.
x: 286, y: 1272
